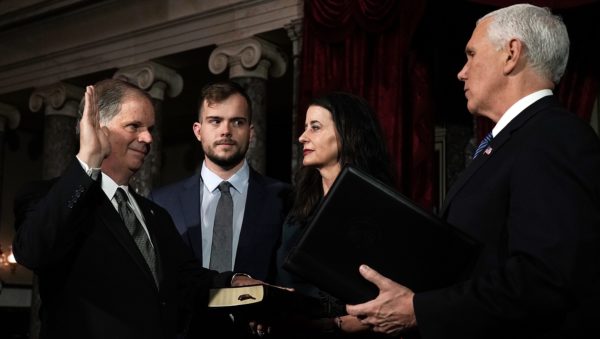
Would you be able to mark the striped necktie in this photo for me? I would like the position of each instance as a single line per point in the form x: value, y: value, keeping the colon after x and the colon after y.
x: 137, y: 231
x: 483, y: 144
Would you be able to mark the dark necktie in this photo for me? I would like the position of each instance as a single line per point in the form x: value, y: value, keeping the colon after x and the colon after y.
x: 137, y: 231
x: 483, y: 144
x: 220, y: 253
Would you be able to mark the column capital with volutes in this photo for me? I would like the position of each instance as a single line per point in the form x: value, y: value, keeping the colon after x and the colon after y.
x: 9, y: 117
x: 154, y: 78
x: 251, y: 57
x: 59, y: 99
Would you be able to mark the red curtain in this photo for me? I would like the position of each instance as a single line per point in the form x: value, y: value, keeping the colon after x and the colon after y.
x: 363, y: 47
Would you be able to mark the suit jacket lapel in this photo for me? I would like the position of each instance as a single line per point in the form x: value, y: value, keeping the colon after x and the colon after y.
x: 254, y: 199
x: 191, y: 199
x: 111, y: 218
x: 467, y: 173
x: 496, y: 144
x: 150, y: 221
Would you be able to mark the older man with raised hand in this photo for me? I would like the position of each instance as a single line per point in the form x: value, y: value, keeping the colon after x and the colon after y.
x: 110, y: 262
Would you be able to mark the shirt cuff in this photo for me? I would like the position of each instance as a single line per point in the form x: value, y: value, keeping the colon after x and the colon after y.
x: 91, y: 172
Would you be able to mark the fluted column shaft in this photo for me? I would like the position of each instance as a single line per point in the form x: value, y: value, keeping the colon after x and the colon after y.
x: 60, y: 102
x: 294, y: 31
x: 256, y: 89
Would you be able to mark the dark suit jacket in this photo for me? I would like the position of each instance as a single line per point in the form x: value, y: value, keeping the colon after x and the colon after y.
x: 534, y: 202
x: 266, y: 207
x: 93, y: 280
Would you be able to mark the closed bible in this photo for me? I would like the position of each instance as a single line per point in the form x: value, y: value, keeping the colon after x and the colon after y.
x: 363, y: 221
x: 261, y: 302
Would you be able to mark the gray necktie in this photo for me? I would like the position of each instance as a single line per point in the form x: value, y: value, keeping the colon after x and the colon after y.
x: 137, y: 231
x: 220, y: 253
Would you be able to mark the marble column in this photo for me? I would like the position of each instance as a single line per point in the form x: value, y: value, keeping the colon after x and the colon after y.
x: 251, y: 61
x: 158, y: 81
x: 294, y: 31
x: 60, y: 102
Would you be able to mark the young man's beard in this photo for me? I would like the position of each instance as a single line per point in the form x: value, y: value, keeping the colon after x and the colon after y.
x: 229, y: 161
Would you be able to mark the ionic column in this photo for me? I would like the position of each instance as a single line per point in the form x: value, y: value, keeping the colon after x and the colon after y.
x: 60, y: 102
x: 157, y: 80
x: 251, y: 61
x: 294, y: 31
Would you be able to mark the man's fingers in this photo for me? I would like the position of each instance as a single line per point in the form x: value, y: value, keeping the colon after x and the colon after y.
x: 361, y: 311
x: 93, y: 107
x: 90, y: 107
x: 372, y: 276
x: 86, y: 103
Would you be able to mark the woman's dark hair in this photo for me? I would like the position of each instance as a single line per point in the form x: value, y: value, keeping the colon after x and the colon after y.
x: 362, y: 145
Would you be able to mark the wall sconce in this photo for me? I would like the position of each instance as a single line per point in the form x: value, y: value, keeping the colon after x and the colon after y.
x: 7, y: 260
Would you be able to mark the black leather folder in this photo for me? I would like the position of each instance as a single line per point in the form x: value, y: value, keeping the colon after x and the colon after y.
x: 363, y: 221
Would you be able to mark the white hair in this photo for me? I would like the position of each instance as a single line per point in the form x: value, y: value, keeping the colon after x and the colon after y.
x: 543, y: 34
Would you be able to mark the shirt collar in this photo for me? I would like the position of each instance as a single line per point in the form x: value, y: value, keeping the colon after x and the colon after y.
x: 517, y: 108
x: 109, y: 186
x: 211, y: 180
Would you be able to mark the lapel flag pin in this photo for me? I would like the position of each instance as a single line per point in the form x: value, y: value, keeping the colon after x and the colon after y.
x: 488, y: 151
